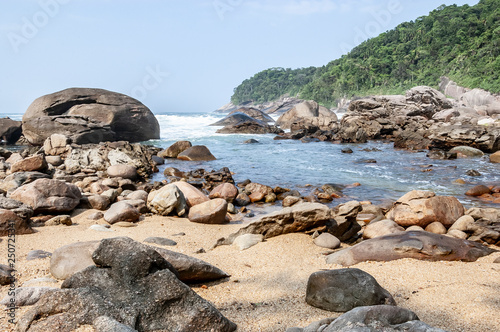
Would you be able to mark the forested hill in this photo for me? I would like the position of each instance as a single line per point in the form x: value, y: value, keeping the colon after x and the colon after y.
x: 461, y: 42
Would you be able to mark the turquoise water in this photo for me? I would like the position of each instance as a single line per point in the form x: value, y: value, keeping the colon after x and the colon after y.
x: 294, y: 164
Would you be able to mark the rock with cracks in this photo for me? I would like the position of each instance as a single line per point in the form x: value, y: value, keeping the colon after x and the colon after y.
x: 131, y: 284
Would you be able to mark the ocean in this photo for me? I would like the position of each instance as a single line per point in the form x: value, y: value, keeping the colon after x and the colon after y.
x: 306, y: 166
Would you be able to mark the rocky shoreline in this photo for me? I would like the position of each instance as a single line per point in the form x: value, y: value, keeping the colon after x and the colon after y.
x: 70, y: 181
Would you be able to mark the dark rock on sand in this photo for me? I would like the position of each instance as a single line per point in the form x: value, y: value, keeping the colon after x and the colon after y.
x: 131, y: 284
x: 414, y: 244
x: 89, y: 116
x: 344, y: 289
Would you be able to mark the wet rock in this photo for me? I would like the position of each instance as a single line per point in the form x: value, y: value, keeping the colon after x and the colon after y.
x: 175, y: 149
x: 381, y: 228
x: 423, y: 207
x: 167, y: 200
x: 327, y: 240
x: 473, y: 172
x: 478, y: 191
x: 298, y: 218
x: 467, y: 152
x: 346, y: 150
x: 227, y: 191
x: 121, y: 211
x: 10, y: 130
x: 250, y: 126
x: 192, y: 195
x: 258, y: 189
x: 414, y: 244
x: 495, y: 157
x: 411, y: 140
x: 30, y: 164
x: 11, y: 223
x: 45, y: 195
x: 210, y: 212
x: 89, y: 116
x: 290, y: 201
x: 196, y: 153
x: 131, y: 280
x: 158, y: 160
x: 441, y: 155
x: 344, y: 289
x: 160, y: 241
x: 122, y: 171
x: 246, y: 241
x: 251, y: 141
x: 242, y: 200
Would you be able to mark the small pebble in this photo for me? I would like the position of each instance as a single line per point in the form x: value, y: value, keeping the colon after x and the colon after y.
x: 100, y: 228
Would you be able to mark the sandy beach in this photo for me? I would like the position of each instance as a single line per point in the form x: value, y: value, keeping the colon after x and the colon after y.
x: 266, y: 290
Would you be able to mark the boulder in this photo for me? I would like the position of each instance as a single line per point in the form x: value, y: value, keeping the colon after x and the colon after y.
x: 242, y: 200
x: 25, y: 296
x: 31, y: 164
x: 22, y: 210
x: 423, y: 207
x: 297, y: 218
x: 6, y: 275
x: 252, y: 112
x: 436, y: 228
x: 428, y: 100
x: 132, y: 284
x: 327, y: 240
x: 69, y: 259
x: 54, y: 160
x: 250, y: 126
x: 478, y: 190
x: 121, y: 211
x: 484, y: 213
x: 56, y: 145
x: 257, y: 188
x: 414, y: 244
x: 484, y: 138
x: 376, y: 318
x: 167, y: 199
x: 16, y: 180
x: 45, y: 195
x: 467, y: 151
x: 196, y: 153
x: 89, y: 116
x: 99, y: 202
x: 246, y: 241
x: 11, y: 223
x: 227, y: 191
x: 175, y: 149
x: 10, y: 130
x: 308, y: 113
x: 192, y: 195
x: 344, y: 289
x: 210, y: 212
x: 343, y: 223
x: 495, y: 157
x: 122, y: 171
x: 381, y: 228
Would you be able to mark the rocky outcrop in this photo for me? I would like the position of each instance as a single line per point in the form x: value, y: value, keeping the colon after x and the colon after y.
x: 486, y: 139
x: 244, y: 114
x: 89, y: 116
x: 413, y: 244
x: 10, y: 130
x: 344, y: 289
x: 308, y: 113
x: 132, y: 284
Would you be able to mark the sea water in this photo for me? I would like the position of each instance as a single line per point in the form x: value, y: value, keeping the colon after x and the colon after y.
x: 306, y: 166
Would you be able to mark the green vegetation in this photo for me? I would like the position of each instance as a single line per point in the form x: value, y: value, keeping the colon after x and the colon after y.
x: 461, y: 42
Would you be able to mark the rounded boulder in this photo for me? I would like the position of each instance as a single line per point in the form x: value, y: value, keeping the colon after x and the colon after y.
x: 211, y: 212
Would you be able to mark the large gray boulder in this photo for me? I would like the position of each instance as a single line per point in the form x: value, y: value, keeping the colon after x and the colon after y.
x: 10, y: 130
x: 89, y: 116
x: 344, y: 289
x: 414, y: 244
x: 132, y: 284
x: 308, y: 113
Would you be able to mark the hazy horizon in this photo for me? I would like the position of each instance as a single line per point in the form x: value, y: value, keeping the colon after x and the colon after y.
x: 178, y: 56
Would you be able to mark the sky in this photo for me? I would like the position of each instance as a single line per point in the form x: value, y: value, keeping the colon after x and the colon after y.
x: 178, y: 55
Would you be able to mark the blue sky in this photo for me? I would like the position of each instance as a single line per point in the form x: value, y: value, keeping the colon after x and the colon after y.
x: 177, y: 55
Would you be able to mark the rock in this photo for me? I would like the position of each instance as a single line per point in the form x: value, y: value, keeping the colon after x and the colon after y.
x: 99, y: 202
x: 346, y: 150
x: 122, y: 171
x: 414, y: 228
x: 327, y: 240
x: 414, y: 244
x: 308, y: 113
x: 89, y: 116
x: 257, y: 188
x: 246, y: 241
x: 497, y: 261
x: 441, y: 155
x: 291, y: 200
x: 411, y: 140
x: 484, y: 213
x: 25, y: 296
x: 251, y: 141
x: 16, y: 180
x: 95, y: 216
x: 167, y: 199
x: 478, y: 191
x: 242, y: 200
x: 124, y: 224
x: 256, y: 197
x: 100, y: 228
x: 250, y: 126
x: 297, y: 218
x: 495, y: 157
x: 473, y: 172
x: 30, y: 164
x: 227, y: 191
x: 344, y: 289
x: 158, y: 160
x: 385, y: 318
x: 175, y: 149
x: 131, y: 280
x: 71, y: 258
x: 467, y: 151
x: 484, y: 138
x: 428, y: 100
x: 381, y: 228
x: 436, y: 228
x: 38, y: 254
x: 107, y: 324
x: 196, y: 153
x: 423, y: 207
x: 59, y: 220
x: 463, y: 223
x: 249, y: 111
x: 138, y: 194
x: 6, y: 275
x: 211, y: 212
x: 343, y: 223
x: 54, y: 160
x: 10, y: 130
x: 160, y: 241
x: 192, y: 195
x: 45, y: 195
x: 457, y: 234
x: 121, y: 211
x: 56, y: 145
x: 11, y: 223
